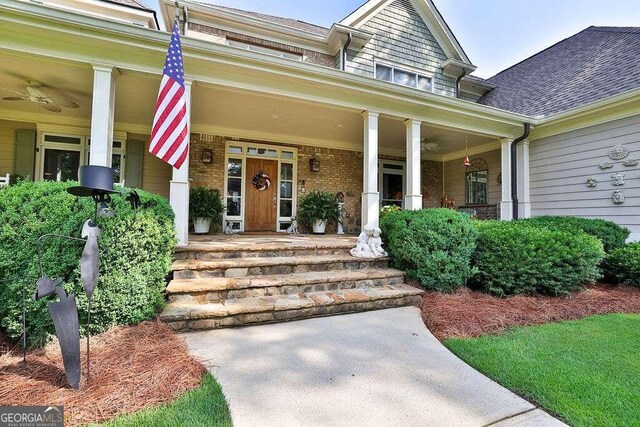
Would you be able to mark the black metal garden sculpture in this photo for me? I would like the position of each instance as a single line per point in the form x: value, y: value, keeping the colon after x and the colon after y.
x: 95, y: 182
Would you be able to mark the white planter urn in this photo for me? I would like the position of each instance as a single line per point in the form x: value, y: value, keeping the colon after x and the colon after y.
x: 201, y: 225
x: 319, y: 226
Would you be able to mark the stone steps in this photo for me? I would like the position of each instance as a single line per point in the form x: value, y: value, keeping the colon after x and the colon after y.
x: 217, y: 289
x: 241, y: 267
x: 267, y: 309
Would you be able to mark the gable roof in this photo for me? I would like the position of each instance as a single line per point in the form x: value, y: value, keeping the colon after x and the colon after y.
x: 430, y: 15
x: 594, y: 64
x: 289, y: 22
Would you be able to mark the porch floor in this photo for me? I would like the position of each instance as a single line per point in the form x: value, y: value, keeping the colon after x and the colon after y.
x: 266, y: 242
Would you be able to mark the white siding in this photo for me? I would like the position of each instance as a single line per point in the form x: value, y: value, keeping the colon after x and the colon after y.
x: 561, y: 164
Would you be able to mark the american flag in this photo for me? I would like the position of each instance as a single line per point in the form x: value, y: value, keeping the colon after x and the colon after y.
x: 170, y: 134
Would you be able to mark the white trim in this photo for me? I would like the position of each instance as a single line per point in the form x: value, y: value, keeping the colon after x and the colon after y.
x: 405, y: 68
x: 241, y: 219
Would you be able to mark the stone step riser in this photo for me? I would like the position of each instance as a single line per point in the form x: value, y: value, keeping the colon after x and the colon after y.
x: 212, y: 255
x: 297, y: 314
x: 278, y: 269
x: 285, y: 289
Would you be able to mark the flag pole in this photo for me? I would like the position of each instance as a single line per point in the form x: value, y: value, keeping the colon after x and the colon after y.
x: 177, y: 11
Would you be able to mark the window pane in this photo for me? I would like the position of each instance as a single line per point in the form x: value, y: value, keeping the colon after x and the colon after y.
x: 234, y: 167
x: 253, y: 151
x: 286, y: 171
x: 286, y: 208
x: 286, y: 190
x: 477, y: 186
x: 404, y: 78
x: 62, y: 139
x: 60, y: 165
x: 116, y: 162
x: 287, y: 155
x: 391, y: 187
x: 234, y: 188
x: 234, y: 150
x: 117, y: 144
x: 424, y: 83
x: 383, y: 72
x: 392, y: 166
x: 233, y: 206
x: 284, y: 226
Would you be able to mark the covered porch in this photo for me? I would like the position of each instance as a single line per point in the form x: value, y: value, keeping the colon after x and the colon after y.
x: 316, y: 129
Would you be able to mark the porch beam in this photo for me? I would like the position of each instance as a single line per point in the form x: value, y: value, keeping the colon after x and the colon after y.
x: 413, y: 196
x: 179, y: 185
x: 102, y: 112
x: 370, y: 194
x: 506, y: 204
x: 524, y: 198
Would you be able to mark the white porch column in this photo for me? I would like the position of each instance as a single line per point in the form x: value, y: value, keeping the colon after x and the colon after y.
x: 179, y: 186
x: 370, y: 194
x: 413, y: 196
x: 102, y: 109
x: 506, y: 204
x: 524, y: 200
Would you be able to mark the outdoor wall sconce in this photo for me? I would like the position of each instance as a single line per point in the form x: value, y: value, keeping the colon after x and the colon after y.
x: 207, y: 155
x: 303, y: 187
x: 95, y: 182
x: 314, y: 165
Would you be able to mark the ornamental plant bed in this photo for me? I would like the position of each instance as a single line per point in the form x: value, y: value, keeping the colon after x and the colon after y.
x: 468, y: 313
x: 132, y: 368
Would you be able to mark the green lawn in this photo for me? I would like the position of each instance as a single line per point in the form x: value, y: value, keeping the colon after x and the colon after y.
x: 586, y: 371
x: 204, y: 406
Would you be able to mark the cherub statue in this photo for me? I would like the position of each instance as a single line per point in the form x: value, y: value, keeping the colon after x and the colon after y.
x: 375, y: 244
x: 362, y: 249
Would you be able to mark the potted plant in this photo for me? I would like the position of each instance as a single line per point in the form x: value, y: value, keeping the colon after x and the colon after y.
x: 317, y: 209
x: 205, y: 206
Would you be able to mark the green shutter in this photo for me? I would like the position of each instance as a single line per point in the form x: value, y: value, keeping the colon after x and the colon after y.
x: 133, y: 173
x: 24, y: 153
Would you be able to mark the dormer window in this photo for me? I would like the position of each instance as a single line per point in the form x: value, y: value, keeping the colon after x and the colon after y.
x: 403, y: 77
x: 265, y: 50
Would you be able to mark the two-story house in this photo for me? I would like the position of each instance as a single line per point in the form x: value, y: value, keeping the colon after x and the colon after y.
x: 380, y: 107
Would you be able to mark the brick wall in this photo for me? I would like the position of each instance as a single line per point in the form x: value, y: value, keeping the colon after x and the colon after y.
x: 340, y: 171
x: 308, y: 55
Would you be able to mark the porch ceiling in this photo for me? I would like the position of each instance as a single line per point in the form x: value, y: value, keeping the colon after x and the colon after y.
x: 215, y: 109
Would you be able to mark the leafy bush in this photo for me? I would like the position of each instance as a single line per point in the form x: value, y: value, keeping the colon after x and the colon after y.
x: 385, y: 210
x: 612, y: 235
x: 623, y: 265
x: 205, y: 203
x: 135, y: 256
x: 433, y: 246
x: 520, y: 258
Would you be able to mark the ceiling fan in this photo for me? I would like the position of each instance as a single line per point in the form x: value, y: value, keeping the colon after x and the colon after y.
x: 34, y: 93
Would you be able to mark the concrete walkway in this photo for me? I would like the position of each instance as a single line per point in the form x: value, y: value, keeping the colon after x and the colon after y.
x: 379, y: 368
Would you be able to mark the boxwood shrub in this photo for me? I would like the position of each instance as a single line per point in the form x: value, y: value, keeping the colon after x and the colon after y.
x: 521, y: 258
x: 612, y: 235
x: 135, y: 256
x: 623, y: 265
x: 432, y: 246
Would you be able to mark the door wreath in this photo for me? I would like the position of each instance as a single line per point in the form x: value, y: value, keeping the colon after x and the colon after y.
x: 261, y: 181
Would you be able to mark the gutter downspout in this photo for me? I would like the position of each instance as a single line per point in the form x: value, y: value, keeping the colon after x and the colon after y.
x: 464, y: 73
x: 344, y: 51
x: 514, y: 168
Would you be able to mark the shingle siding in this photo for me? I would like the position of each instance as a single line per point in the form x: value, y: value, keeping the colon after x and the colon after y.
x: 561, y: 164
x: 401, y: 36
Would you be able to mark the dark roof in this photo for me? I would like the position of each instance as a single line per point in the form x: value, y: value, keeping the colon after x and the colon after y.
x: 288, y: 22
x: 130, y: 3
x: 594, y: 64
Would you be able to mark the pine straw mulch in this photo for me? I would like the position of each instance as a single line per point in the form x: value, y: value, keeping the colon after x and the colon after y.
x: 132, y: 368
x: 468, y: 313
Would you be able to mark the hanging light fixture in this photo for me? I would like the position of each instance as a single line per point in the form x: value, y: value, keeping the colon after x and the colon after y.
x: 466, y: 163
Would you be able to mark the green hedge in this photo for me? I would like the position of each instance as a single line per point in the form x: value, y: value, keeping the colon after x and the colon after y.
x: 134, y: 262
x: 612, y: 235
x: 623, y: 265
x: 521, y: 258
x: 432, y: 246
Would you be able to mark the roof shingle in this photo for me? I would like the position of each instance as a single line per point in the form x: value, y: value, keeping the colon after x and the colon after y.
x: 594, y: 64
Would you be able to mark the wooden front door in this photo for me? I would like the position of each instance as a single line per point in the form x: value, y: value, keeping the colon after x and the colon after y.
x: 260, y: 209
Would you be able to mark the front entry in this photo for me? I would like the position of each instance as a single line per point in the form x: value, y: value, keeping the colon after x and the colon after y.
x: 262, y: 198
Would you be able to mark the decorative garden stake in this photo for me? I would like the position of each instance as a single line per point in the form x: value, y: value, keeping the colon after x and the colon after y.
x: 95, y: 182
